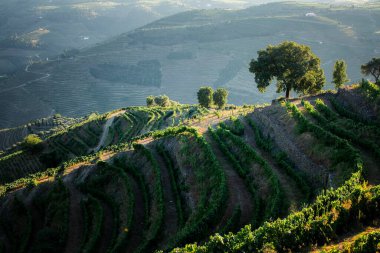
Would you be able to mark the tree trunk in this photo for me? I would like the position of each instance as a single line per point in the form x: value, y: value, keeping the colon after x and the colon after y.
x: 287, y: 93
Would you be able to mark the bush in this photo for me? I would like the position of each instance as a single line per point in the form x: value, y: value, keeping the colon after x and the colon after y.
x: 162, y: 101
x: 371, y: 90
x: 205, y: 96
x: 150, y: 101
x: 220, y: 97
x: 33, y: 142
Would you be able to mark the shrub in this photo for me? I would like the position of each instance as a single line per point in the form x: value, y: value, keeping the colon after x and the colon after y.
x: 150, y: 101
x: 162, y: 101
x: 33, y: 142
x: 371, y: 90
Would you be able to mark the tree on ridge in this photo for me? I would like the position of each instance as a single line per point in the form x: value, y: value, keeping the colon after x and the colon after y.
x: 294, y: 66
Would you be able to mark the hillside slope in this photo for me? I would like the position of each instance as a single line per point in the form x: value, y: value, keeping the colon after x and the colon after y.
x: 39, y: 29
x: 167, y: 177
x: 211, y: 47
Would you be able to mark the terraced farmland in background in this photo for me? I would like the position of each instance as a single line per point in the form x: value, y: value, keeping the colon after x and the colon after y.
x: 164, y: 177
x: 216, y: 48
x: 42, y: 127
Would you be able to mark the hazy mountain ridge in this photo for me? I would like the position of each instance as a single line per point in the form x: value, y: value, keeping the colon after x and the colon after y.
x: 32, y: 29
x: 211, y: 47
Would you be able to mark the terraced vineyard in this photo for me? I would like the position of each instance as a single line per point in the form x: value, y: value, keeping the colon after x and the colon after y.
x: 42, y: 127
x: 298, y: 175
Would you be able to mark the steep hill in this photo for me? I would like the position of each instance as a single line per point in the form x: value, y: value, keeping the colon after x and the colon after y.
x: 187, y: 50
x: 140, y: 179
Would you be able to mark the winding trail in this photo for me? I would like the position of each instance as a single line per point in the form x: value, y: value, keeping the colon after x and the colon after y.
x: 106, y: 129
x: 104, y: 134
x: 45, y: 75
x: 211, y: 120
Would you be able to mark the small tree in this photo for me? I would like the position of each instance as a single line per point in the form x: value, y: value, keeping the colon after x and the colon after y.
x: 294, y: 66
x: 162, y: 101
x: 340, y: 74
x: 372, y: 68
x: 220, y: 97
x: 205, y: 96
x: 150, y: 101
x: 33, y: 142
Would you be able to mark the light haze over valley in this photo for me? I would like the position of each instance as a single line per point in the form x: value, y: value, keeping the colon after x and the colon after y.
x: 75, y: 57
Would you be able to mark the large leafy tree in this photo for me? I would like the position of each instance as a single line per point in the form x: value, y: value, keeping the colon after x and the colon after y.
x: 294, y: 66
x: 372, y: 68
x: 340, y: 73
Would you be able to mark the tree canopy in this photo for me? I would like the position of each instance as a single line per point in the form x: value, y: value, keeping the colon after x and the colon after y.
x: 372, y: 68
x: 205, y: 96
x: 340, y: 74
x: 150, y: 101
x: 161, y: 100
x: 220, y: 97
x: 33, y: 142
x: 294, y: 66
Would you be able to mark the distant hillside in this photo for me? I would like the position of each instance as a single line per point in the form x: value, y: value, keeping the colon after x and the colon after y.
x: 187, y: 50
x: 298, y: 175
x: 39, y: 29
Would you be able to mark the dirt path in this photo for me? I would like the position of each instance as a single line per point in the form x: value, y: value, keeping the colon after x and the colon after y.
x: 75, y: 233
x: 238, y: 193
x: 170, y: 216
x: 104, y: 135
x: 106, y: 129
x: 212, y: 119
x: 145, y: 141
x: 28, y: 82
x: 293, y: 194
x: 73, y: 168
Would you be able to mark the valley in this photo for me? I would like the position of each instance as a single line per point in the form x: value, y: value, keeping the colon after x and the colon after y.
x: 184, y: 52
